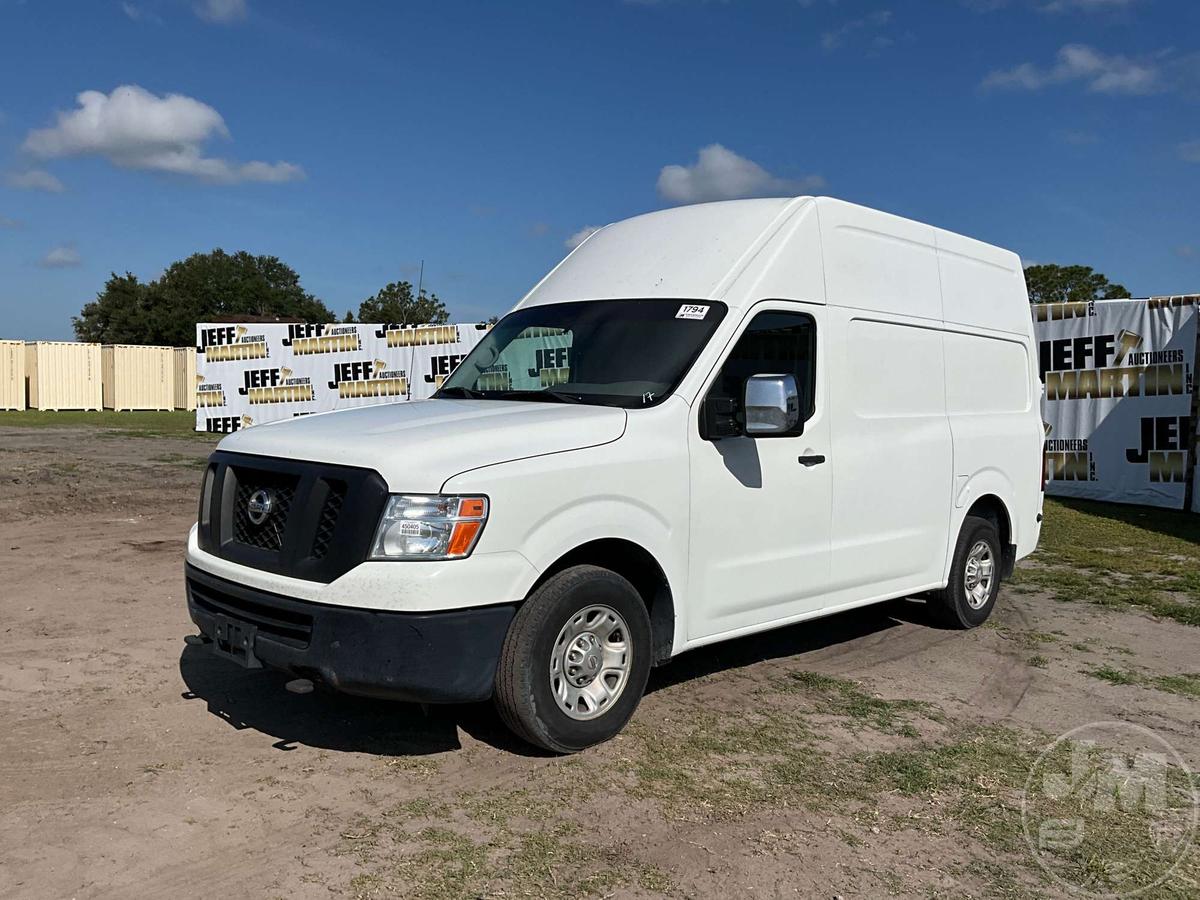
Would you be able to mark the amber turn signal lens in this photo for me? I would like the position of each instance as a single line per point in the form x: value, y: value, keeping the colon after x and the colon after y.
x: 471, y: 508
x: 463, y: 536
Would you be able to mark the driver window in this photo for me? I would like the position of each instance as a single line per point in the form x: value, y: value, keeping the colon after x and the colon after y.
x: 775, y: 343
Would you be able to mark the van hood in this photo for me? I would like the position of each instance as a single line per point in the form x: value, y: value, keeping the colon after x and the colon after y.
x: 417, y: 446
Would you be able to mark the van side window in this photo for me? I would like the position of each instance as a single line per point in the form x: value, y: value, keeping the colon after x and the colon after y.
x: 775, y: 343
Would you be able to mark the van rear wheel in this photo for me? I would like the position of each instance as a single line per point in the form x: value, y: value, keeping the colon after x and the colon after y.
x: 575, y: 660
x: 967, y: 600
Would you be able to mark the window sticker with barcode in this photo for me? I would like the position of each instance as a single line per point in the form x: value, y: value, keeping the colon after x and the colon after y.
x: 692, y: 311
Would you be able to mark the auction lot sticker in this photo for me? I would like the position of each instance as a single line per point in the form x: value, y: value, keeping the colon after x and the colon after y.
x: 1110, y: 810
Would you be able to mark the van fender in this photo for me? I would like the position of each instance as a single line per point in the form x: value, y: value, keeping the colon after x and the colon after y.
x: 968, y: 489
x: 581, y: 521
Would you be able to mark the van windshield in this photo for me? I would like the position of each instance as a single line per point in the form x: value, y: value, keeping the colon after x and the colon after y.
x: 629, y: 353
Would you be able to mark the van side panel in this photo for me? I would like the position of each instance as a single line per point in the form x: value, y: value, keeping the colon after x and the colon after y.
x: 891, y: 454
x: 878, y: 261
x: 982, y: 286
x: 993, y: 417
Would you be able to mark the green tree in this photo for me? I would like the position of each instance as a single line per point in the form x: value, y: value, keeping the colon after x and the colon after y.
x: 118, y: 315
x: 396, y: 304
x: 205, y: 287
x: 1060, y: 284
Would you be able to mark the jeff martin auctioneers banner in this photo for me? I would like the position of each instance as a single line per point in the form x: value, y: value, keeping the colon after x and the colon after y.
x: 254, y: 373
x: 1119, y: 378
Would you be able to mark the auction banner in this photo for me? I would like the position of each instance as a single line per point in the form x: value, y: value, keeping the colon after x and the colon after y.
x: 1119, y: 380
x: 247, y: 374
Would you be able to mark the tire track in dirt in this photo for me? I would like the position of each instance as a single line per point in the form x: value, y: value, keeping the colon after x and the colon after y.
x: 1006, y: 686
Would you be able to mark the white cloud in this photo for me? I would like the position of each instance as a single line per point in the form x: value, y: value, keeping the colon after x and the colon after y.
x: 64, y: 256
x: 831, y: 40
x: 1102, y: 73
x: 135, y: 129
x: 1189, y: 151
x: 720, y: 174
x: 221, y: 12
x: 6, y: 222
x: 34, y: 180
x: 137, y: 13
x: 581, y: 235
x: 1187, y: 251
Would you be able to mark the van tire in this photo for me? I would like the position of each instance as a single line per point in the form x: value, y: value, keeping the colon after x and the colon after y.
x: 950, y: 606
x: 524, y: 697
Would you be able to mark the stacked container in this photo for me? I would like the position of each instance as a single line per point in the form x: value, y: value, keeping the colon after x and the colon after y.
x: 137, y: 377
x: 63, y: 375
x: 185, y: 378
x: 12, y: 374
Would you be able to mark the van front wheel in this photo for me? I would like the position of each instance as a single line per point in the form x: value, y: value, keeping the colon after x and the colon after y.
x: 967, y: 600
x: 575, y: 660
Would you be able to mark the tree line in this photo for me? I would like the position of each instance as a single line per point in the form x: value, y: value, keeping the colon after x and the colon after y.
x: 221, y: 287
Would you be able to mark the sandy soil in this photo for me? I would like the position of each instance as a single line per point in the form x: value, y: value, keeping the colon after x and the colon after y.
x: 133, y: 767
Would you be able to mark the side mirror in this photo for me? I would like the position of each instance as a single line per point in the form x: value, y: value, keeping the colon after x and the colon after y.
x: 720, y: 419
x: 771, y: 405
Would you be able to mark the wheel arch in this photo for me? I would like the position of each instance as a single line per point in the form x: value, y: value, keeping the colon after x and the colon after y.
x: 638, y: 566
x: 992, y: 508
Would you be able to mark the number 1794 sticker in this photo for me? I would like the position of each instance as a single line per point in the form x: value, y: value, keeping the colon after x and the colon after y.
x: 692, y: 311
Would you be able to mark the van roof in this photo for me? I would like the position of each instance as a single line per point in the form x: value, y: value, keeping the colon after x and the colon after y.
x: 684, y: 252
x: 806, y: 248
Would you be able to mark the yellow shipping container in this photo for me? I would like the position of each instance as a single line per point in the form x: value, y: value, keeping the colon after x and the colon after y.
x: 63, y: 375
x: 185, y: 378
x: 138, y: 377
x: 12, y: 374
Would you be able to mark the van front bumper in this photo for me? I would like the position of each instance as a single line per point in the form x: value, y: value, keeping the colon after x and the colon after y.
x: 431, y: 657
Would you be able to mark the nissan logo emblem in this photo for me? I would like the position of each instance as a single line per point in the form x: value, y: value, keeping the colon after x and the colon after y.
x: 259, y: 506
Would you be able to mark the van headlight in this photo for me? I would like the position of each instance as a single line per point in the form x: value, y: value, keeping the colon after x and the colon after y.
x: 429, y: 526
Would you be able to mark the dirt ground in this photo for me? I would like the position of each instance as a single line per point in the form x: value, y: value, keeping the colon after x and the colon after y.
x: 868, y: 754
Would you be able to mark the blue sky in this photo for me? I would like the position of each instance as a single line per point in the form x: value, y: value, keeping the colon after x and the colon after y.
x: 354, y: 139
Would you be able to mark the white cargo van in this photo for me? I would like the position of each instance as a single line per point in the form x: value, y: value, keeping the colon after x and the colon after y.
x: 703, y: 423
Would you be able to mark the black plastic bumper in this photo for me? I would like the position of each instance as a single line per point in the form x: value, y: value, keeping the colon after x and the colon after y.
x: 444, y: 657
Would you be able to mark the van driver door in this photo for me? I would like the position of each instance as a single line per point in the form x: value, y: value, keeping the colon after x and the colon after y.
x: 761, y: 507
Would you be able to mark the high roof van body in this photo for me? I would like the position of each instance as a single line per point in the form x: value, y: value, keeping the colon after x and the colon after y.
x: 703, y: 423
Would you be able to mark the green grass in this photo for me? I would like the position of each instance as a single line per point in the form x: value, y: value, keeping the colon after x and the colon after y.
x: 1116, y: 555
x: 1186, y: 684
x: 1114, y: 676
x: 180, y: 423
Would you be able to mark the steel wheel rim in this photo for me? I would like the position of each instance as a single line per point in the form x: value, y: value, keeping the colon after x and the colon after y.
x: 590, y: 662
x: 978, y: 574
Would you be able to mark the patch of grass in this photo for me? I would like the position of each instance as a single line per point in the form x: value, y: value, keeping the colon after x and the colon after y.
x: 842, y: 697
x: 1113, y: 675
x: 1187, y: 684
x: 445, y: 865
x: 553, y: 860
x: 146, y: 423
x: 1038, y: 661
x: 1116, y: 555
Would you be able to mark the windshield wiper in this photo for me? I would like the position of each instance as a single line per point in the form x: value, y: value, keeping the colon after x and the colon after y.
x: 462, y: 393
x: 545, y: 396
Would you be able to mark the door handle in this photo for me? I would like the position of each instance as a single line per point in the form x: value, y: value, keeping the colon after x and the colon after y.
x: 814, y: 460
